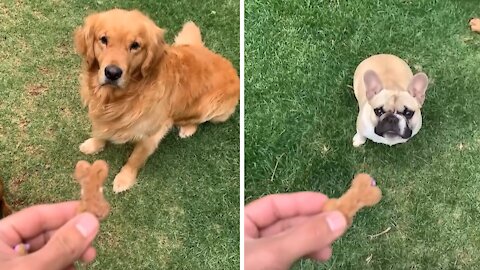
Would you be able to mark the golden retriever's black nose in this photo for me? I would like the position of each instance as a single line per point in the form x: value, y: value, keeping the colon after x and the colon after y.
x: 113, y: 72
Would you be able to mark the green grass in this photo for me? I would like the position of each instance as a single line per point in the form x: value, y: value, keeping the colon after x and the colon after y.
x: 184, y: 213
x: 300, y: 119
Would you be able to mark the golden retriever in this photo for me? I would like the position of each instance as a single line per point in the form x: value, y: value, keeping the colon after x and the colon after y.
x: 5, y: 209
x: 137, y: 87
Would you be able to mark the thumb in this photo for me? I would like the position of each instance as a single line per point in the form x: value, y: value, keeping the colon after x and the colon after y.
x: 68, y: 243
x: 314, y: 235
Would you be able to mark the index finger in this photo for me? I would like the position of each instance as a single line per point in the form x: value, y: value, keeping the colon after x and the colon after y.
x: 35, y: 220
x: 266, y: 211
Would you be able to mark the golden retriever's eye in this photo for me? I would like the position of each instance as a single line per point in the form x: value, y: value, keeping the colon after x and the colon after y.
x: 104, y: 40
x: 134, y: 46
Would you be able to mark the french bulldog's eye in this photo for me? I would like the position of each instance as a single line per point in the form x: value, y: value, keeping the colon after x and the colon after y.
x: 379, y: 111
x: 104, y: 40
x: 134, y: 46
x: 408, y: 113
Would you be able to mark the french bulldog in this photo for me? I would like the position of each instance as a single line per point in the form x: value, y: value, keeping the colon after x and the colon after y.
x: 389, y: 98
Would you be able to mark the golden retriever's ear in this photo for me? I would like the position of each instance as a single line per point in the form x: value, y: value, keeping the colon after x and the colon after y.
x: 155, y: 49
x: 84, y: 38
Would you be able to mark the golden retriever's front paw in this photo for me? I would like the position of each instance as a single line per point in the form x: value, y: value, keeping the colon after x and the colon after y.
x: 124, y: 180
x: 92, y: 146
x: 187, y: 131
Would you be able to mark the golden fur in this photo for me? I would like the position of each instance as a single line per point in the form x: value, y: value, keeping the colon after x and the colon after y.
x: 5, y: 209
x: 162, y: 85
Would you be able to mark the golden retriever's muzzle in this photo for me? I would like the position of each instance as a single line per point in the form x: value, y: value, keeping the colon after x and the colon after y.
x: 112, y: 74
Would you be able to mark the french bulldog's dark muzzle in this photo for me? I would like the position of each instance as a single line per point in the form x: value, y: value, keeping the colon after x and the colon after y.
x: 390, y: 126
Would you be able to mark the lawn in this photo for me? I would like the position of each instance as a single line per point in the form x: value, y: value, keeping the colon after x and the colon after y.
x: 184, y: 211
x: 300, y: 119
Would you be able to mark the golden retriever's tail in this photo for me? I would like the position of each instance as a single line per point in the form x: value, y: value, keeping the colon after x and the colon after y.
x: 189, y: 35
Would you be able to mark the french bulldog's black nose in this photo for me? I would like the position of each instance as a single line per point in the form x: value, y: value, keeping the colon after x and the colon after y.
x: 113, y: 72
x: 392, y: 120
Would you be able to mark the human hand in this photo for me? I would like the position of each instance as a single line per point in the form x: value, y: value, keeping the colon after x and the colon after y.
x: 56, y: 235
x: 282, y: 228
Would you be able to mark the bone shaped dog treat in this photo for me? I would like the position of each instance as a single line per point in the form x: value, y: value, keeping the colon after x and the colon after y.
x: 475, y: 24
x: 363, y: 192
x: 91, y: 179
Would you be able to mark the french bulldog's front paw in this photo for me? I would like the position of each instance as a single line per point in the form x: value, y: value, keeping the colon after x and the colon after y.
x: 92, y: 146
x: 124, y: 180
x: 475, y: 24
x: 358, y: 140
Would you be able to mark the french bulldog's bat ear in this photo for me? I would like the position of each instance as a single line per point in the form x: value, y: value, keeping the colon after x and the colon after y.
x: 417, y: 87
x: 372, y: 82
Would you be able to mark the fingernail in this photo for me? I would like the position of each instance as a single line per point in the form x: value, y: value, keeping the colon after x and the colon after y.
x: 86, y: 224
x: 336, y: 221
